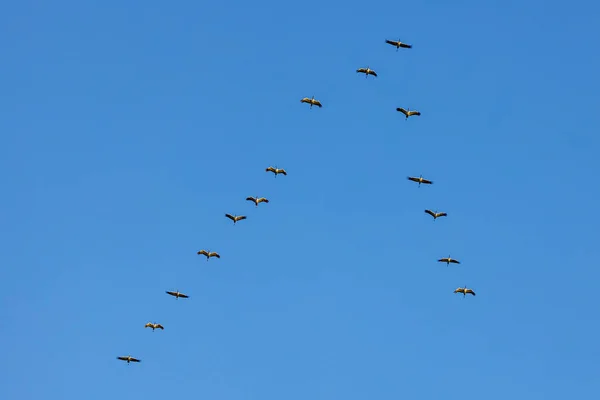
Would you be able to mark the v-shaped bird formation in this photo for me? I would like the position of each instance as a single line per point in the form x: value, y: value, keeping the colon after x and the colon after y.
x: 280, y: 171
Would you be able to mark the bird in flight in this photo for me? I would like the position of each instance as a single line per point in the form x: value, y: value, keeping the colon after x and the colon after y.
x: 276, y: 171
x: 420, y: 180
x: 154, y: 326
x: 464, y: 291
x: 208, y: 254
x: 311, y: 101
x: 449, y: 260
x: 367, y: 71
x: 408, y: 113
x: 436, y: 215
x: 398, y: 44
x: 235, y: 218
x: 257, y: 200
x: 128, y: 359
x: 178, y: 294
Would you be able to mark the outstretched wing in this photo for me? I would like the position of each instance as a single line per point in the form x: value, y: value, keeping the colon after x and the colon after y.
x: 214, y: 254
x: 426, y: 181
x: 241, y: 217
x: 453, y: 261
x: 406, y: 46
x: 263, y: 200
x: 410, y: 178
x: 430, y: 213
x: 442, y: 214
x: 372, y: 73
x: 282, y: 171
x: 443, y: 260
x: 270, y: 169
x: 305, y: 100
x: 250, y: 198
x: 203, y: 252
x: 134, y: 360
x: 363, y: 70
x: 417, y: 113
x: 171, y: 293
x: 159, y: 326
x: 402, y: 110
x: 470, y: 291
x: 185, y: 296
x: 393, y: 43
x: 231, y: 217
x: 317, y: 103
x: 123, y: 358
x: 459, y: 290
x: 148, y: 325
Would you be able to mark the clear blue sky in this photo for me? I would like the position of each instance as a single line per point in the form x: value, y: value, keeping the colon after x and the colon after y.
x: 128, y: 131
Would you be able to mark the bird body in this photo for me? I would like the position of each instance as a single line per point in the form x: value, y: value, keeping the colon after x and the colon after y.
x: 235, y: 218
x: 128, y: 359
x: 436, y: 215
x: 257, y: 200
x: 464, y: 291
x: 276, y: 171
x: 208, y: 254
x: 367, y: 71
x: 154, y: 326
x: 177, y: 294
x: 407, y: 112
x: 448, y: 260
x: 397, y: 44
x: 420, y: 180
x: 311, y: 101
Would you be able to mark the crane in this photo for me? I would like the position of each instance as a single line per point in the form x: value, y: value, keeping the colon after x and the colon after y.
x: 311, y: 101
x: 177, y: 294
x: 436, y: 214
x: 420, y: 180
x: 407, y: 112
x: 397, y: 44
x: 449, y: 260
x: 367, y: 71
x: 257, y: 200
x: 208, y: 254
x: 235, y: 218
x: 154, y: 326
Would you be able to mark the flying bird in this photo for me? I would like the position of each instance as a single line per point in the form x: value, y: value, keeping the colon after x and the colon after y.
x: 464, y: 291
x: 367, y: 71
x: 436, y: 215
x: 398, y: 44
x: 154, y: 326
x: 177, y: 295
x: 257, y: 200
x: 420, y: 180
x: 128, y: 359
x: 276, y: 171
x: 235, y: 218
x: 449, y: 260
x: 311, y: 101
x: 408, y: 113
x: 208, y: 254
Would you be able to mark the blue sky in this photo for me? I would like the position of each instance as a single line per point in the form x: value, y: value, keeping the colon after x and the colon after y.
x: 128, y: 131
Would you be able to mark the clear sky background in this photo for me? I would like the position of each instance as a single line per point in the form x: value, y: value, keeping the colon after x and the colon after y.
x: 128, y: 130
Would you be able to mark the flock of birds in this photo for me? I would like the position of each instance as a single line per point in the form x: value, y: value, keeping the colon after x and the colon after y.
x: 276, y: 171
